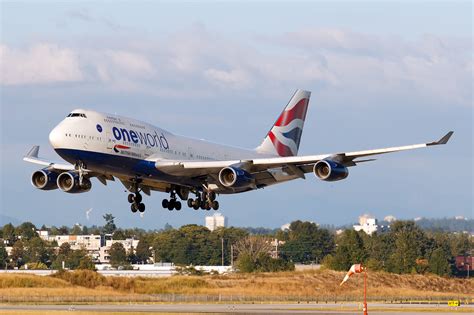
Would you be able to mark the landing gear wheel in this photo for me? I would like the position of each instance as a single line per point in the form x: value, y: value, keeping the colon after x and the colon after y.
x: 208, y: 206
x: 131, y: 198
x: 215, y: 205
x: 141, y: 207
x: 212, y: 196
x: 138, y: 198
x: 177, y: 205
x: 133, y: 207
x: 190, y: 203
x: 165, y: 203
x: 196, y: 204
x: 171, y: 205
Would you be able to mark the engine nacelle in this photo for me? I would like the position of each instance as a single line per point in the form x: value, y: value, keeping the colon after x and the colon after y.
x: 330, y: 171
x: 69, y: 182
x: 235, y: 177
x: 44, y: 179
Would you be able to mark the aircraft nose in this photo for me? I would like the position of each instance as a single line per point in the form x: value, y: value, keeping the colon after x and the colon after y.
x: 55, y: 137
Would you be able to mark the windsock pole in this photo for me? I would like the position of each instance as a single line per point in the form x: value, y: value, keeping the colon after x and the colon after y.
x: 365, y: 292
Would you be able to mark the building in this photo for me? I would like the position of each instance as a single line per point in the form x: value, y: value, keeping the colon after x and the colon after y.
x: 367, y: 224
x: 216, y: 221
x: 464, y: 263
x: 89, y: 242
x: 97, y: 246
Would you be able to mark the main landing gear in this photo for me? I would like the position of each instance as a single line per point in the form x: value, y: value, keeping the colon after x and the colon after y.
x: 136, y: 204
x: 135, y: 199
x: 204, y: 200
x: 171, y: 204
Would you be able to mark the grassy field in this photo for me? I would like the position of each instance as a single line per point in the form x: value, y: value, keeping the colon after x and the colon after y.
x: 318, y: 284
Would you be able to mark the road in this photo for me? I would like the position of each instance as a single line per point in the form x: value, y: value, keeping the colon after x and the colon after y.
x: 333, y: 309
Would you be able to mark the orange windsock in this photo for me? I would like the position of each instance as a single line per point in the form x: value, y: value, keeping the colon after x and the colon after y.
x: 357, y: 268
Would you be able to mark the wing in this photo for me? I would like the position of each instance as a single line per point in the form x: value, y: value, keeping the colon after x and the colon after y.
x: 277, y: 169
x: 32, y: 157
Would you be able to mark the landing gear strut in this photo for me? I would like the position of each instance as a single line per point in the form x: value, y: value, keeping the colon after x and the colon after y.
x: 204, y: 200
x: 135, y: 199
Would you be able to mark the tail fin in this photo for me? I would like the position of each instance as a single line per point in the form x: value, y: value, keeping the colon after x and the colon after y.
x: 284, y: 137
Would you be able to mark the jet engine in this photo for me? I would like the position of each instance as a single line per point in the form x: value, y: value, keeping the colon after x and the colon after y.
x: 69, y: 182
x: 330, y: 171
x: 44, y: 179
x: 235, y: 177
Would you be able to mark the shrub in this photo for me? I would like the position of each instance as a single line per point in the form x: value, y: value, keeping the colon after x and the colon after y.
x: 84, y: 278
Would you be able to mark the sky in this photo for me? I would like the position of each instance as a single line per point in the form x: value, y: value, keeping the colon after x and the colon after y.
x: 381, y: 73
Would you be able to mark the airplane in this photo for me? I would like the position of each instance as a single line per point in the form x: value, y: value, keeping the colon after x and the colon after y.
x: 147, y: 158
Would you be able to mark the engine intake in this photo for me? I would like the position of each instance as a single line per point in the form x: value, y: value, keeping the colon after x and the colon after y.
x: 235, y: 177
x: 44, y: 179
x: 69, y: 182
x: 330, y: 171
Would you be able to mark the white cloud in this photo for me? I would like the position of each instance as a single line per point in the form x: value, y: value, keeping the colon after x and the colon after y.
x: 41, y: 63
x: 235, y: 78
x: 195, y: 60
x: 131, y: 63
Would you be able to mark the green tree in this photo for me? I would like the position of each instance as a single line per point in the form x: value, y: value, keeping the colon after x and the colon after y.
x: 3, y: 256
x: 26, y: 230
x: 65, y: 249
x: 378, y: 248
x: 461, y: 244
x: 306, y: 243
x: 350, y: 250
x: 17, y: 254
x: 36, y: 250
x: 109, y: 227
x: 63, y: 230
x: 118, y: 256
x: 119, y: 235
x: 410, y: 244
x: 76, y: 230
x: 143, y: 251
x: 9, y: 233
x: 73, y: 260
x: 86, y: 263
x: 439, y: 262
x: 230, y: 236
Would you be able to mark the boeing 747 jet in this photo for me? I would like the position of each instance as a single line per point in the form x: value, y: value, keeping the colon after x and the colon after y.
x: 146, y: 158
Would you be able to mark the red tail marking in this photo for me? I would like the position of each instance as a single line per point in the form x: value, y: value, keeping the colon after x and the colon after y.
x: 281, y: 149
x: 297, y: 112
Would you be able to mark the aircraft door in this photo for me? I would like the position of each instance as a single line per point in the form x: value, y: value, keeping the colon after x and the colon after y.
x: 110, y: 140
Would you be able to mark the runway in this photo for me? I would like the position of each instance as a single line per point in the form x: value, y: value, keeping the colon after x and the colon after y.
x: 333, y: 309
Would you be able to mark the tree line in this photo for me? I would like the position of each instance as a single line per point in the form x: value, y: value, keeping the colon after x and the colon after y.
x: 405, y: 248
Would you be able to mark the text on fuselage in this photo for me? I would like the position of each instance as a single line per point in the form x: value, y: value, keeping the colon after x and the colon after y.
x: 152, y: 140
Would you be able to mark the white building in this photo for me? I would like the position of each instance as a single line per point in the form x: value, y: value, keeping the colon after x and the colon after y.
x: 89, y: 242
x: 216, y: 221
x: 367, y: 224
x: 129, y: 244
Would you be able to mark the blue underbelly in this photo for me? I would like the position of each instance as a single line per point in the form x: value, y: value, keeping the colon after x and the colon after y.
x: 120, y: 165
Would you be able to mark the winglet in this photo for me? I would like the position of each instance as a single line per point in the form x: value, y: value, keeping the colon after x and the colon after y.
x: 33, y: 152
x: 443, y: 140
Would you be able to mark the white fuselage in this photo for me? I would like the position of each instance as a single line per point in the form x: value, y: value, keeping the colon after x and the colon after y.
x: 114, y: 144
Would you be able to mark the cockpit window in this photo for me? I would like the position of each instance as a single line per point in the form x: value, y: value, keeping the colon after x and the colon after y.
x: 77, y: 115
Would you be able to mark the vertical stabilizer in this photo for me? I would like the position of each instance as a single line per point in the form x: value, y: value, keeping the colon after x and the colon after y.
x: 284, y: 137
